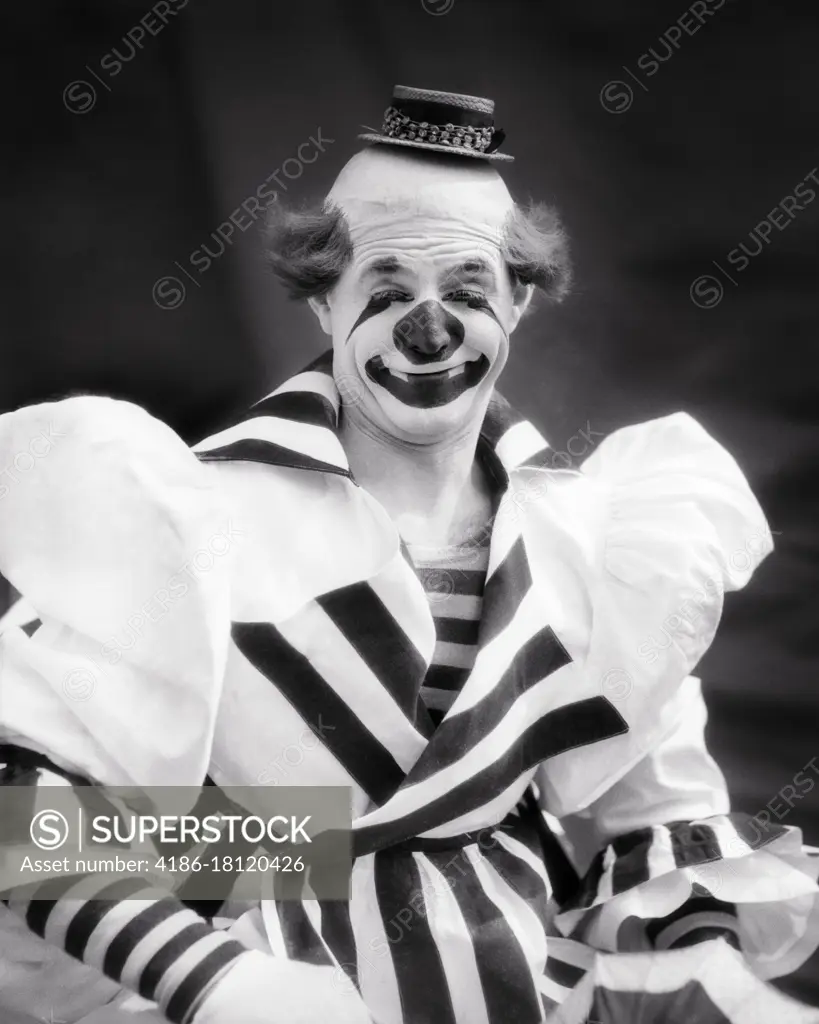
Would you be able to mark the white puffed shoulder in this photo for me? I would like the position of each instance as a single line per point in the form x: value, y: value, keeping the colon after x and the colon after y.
x: 116, y: 534
x: 684, y: 527
x: 675, y: 489
x: 658, y: 524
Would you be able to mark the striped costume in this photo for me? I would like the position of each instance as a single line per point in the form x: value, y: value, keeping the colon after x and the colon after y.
x: 308, y: 629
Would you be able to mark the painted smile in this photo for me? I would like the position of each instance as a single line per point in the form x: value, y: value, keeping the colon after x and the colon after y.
x: 428, y: 389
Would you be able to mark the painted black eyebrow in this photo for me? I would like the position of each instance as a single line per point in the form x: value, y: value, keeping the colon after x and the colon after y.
x: 470, y: 268
x: 384, y: 265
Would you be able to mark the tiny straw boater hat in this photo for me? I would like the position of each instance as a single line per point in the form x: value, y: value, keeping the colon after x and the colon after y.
x: 446, y: 122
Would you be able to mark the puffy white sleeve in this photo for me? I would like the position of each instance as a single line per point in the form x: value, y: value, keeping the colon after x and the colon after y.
x: 115, y: 533
x: 678, y: 780
x: 673, y: 527
x: 680, y: 528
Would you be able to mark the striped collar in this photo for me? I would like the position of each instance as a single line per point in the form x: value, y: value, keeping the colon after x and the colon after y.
x: 297, y: 426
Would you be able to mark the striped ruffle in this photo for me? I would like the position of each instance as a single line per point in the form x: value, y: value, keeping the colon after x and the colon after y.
x: 649, y: 874
x: 708, y: 983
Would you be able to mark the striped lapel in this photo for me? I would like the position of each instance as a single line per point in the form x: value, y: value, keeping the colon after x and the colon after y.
x: 354, y: 656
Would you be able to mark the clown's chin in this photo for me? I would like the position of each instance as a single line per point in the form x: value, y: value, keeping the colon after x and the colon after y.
x: 428, y: 390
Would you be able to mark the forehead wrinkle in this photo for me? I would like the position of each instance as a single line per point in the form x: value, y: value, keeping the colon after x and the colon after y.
x: 407, y: 252
x: 399, y: 228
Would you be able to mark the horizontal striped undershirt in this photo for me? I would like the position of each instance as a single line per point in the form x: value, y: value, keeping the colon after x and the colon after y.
x: 453, y: 579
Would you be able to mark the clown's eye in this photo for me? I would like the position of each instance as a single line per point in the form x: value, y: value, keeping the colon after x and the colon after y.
x: 391, y: 295
x: 464, y: 295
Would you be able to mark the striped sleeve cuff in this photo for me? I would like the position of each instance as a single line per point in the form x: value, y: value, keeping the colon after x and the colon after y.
x: 136, y: 935
x: 699, y: 919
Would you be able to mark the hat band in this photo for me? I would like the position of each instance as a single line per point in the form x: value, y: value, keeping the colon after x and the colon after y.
x: 439, y: 112
x: 483, y: 138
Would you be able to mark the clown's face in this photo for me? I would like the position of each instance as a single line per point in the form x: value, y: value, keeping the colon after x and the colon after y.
x: 421, y: 316
x: 420, y: 322
x: 422, y: 325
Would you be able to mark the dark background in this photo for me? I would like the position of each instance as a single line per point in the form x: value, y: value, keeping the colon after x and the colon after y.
x: 100, y: 203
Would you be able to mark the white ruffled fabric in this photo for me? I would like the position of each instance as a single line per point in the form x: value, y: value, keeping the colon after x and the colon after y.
x: 772, y: 885
x: 708, y: 982
x: 676, y: 799
x: 680, y: 527
x: 658, y: 527
x: 34, y: 976
x: 110, y: 534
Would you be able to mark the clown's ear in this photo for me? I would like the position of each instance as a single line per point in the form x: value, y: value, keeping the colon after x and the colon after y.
x: 521, y: 297
x: 319, y: 305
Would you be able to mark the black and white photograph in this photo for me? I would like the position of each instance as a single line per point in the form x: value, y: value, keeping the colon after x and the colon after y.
x: 409, y: 512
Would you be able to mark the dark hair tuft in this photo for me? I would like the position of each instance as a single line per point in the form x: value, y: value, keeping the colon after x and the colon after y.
x: 307, y: 249
x: 536, y: 249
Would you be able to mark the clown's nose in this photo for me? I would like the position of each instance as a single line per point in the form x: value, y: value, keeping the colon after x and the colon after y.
x: 428, y: 333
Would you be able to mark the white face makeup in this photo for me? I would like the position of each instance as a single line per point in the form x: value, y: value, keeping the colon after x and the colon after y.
x: 421, y: 317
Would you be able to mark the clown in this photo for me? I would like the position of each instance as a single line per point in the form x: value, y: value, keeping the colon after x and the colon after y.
x: 459, y: 627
